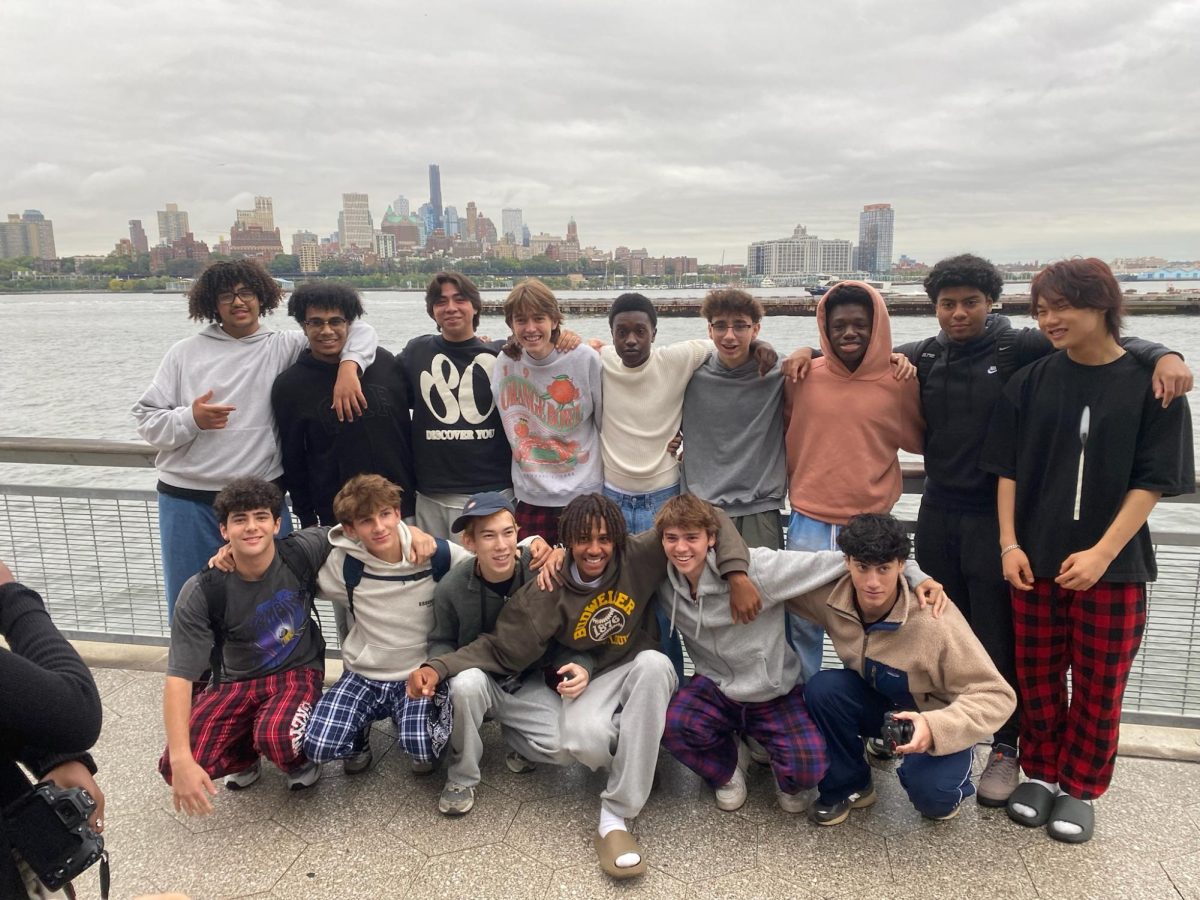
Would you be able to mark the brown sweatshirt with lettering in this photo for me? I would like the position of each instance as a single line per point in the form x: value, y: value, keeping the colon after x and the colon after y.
x: 610, y: 621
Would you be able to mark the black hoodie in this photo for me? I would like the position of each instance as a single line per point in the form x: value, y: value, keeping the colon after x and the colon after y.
x: 957, y: 398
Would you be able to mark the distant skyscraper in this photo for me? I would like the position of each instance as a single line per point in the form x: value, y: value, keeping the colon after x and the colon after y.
x: 572, y: 232
x: 875, y: 226
x: 172, y: 224
x: 429, y: 218
x: 30, y: 234
x: 450, y: 218
x: 525, y: 236
x: 355, y: 228
x: 472, y: 216
x: 435, y: 194
x: 800, y: 254
x: 511, y: 225
x: 300, y: 238
x: 137, y: 236
x: 263, y: 214
x: 400, y: 207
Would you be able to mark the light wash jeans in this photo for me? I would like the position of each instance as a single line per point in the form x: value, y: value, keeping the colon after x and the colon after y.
x: 639, y: 511
x: 808, y: 637
x: 189, y: 535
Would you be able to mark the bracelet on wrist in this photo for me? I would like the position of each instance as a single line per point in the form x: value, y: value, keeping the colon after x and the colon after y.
x: 1009, y: 549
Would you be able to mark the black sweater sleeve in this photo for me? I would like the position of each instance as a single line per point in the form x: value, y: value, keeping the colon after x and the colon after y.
x: 49, y: 705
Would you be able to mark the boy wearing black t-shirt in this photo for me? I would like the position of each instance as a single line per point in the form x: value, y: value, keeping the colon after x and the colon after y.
x: 1083, y: 451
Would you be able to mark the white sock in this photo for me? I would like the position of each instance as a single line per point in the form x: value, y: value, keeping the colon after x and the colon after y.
x: 1068, y: 827
x: 610, y: 821
x: 1028, y: 811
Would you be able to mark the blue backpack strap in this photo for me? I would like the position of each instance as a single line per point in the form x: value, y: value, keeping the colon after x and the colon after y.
x: 440, y: 563
x: 352, y: 573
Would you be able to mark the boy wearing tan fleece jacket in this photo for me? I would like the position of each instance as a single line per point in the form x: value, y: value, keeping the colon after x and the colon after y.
x: 933, y: 673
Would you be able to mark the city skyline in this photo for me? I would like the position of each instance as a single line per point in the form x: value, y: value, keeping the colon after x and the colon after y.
x: 1017, y: 132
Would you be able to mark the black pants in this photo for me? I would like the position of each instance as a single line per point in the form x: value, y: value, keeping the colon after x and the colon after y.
x: 962, y: 551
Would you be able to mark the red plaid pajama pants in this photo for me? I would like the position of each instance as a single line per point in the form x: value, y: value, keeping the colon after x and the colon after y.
x: 538, y: 520
x: 1096, y: 633
x: 235, y: 722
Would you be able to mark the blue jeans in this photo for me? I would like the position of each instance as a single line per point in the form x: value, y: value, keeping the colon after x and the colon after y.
x: 639, y: 511
x: 807, y: 638
x: 189, y: 535
x: 847, y: 709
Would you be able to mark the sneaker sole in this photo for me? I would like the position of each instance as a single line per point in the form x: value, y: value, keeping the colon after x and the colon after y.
x: 519, y: 768
x: 860, y: 803
x: 448, y: 811
x: 990, y: 802
x: 727, y: 806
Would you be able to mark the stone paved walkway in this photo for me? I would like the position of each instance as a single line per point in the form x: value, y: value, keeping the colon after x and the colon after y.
x: 379, y: 835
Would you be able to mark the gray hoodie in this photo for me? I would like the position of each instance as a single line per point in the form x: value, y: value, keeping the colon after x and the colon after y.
x: 753, y: 662
x: 239, y: 372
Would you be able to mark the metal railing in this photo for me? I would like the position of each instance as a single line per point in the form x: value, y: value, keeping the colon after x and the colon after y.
x: 93, y: 554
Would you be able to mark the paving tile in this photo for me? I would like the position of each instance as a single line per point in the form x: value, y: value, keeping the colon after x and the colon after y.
x: 544, y: 782
x: 231, y: 809
x: 1184, y: 872
x: 1128, y: 822
x: 1095, y: 870
x: 1152, y: 779
x: 749, y: 885
x: 139, y: 699
x: 556, y: 832
x: 339, y: 807
x: 248, y: 859
x: 1194, y: 814
x: 108, y: 680
x: 363, y: 864
x: 829, y: 861
x: 695, y: 841
x: 420, y: 825
x: 932, y: 862
x: 496, y: 872
x: 587, y: 882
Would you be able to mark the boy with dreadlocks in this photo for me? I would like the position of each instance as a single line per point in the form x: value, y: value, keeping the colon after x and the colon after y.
x: 599, y: 608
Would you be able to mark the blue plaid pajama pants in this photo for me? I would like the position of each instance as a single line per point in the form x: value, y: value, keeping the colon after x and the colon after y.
x: 354, y: 702
x: 702, y: 726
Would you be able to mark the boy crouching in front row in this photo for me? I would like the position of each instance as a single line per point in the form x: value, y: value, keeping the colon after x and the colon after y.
x: 746, y: 675
x: 932, y: 674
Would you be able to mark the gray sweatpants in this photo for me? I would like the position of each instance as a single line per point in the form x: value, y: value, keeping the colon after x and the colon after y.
x: 617, y: 723
x: 529, y: 719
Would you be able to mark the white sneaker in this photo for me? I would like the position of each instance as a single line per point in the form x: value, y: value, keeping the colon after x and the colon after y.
x: 240, y: 780
x: 758, y: 752
x: 791, y: 803
x: 517, y: 764
x: 305, y: 778
x: 732, y: 794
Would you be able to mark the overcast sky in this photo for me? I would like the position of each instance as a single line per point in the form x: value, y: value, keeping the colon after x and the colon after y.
x: 1018, y: 130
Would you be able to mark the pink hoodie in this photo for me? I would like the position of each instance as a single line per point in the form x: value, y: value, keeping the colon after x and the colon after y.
x: 844, y: 427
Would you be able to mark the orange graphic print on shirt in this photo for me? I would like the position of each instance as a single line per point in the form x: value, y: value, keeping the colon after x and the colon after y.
x: 545, y: 417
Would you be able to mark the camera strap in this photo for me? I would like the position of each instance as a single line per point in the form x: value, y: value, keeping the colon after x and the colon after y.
x: 105, y: 880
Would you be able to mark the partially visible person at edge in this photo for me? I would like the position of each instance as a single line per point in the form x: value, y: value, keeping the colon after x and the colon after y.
x: 613, y: 714
x: 320, y: 453
x: 52, y: 736
x: 644, y: 387
x: 458, y: 442
x: 208, y: 410
x: 846, y: 421
x: 550, y: 405
x: 1083, y: 447
x: 962, y: 371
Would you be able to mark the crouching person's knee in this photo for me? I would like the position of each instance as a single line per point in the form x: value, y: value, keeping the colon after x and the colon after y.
x: 469, y: 688
x: 650, y: 667
x: 936, y: 785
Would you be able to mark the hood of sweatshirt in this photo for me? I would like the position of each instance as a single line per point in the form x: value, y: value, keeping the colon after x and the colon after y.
x: 876, y: 362
x: 214, y: 331
x: 342, y: 541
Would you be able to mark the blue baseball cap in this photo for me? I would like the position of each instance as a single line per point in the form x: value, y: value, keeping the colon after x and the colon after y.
x: 480, y: 505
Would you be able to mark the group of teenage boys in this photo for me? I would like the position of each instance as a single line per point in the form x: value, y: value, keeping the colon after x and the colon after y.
x: 415, y: 477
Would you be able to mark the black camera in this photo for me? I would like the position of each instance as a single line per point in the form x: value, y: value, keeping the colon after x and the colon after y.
x: 49, y: 830
x: 896, y: 732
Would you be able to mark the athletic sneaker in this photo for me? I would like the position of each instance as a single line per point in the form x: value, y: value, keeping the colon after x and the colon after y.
x: 305, y: 778
x: 422, y: 768
x: 790, y: 803
x: 359, y: 762
x: 1000, y: 777
x: 517, y: 764
x: 837, y: 812
x: 456, y: 799
x: 732, y: 794
x: 948, y: 816
x: 241, y: 780
x: 758, y: 753
x: 878, y: 749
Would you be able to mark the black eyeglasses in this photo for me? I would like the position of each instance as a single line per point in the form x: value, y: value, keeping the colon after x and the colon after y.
x: 317, y: 324
x: 738, y: 327
x: 245, y: 295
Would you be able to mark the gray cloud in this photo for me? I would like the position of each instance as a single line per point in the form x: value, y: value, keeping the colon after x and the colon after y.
x: 1027, y: 130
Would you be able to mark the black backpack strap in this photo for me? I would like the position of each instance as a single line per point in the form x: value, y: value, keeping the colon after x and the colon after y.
x: 928, y: 353
x: 212, y: 585
x: 352, y: 573
x: 440, y: 563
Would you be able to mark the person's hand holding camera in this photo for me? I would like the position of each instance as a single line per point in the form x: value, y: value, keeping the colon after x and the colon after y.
x: 76, y: 774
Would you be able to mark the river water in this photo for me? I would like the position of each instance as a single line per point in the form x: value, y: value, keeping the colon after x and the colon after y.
x: 73, y: 364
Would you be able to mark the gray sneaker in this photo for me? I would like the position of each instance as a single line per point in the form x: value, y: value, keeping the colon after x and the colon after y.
x: 1000, y: 777
x: 878, y: 749
x: 456, y: 799
x: 517, y: 764
x: 305, y: 778
x: 238, y: 781
x: 421, y: 768
x: 359, y: 762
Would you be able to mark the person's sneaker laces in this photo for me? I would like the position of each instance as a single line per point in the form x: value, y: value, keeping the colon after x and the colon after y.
x: 517, y: 764
x: 1000, y: 777
x: 878, y: 749
x: 238, y: 781
x: 456, y: 799
x: 304, y: 778
x: 836, y: 812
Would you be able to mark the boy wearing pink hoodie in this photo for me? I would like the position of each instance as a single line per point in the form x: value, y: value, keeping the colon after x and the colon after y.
x: 845, y: 423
